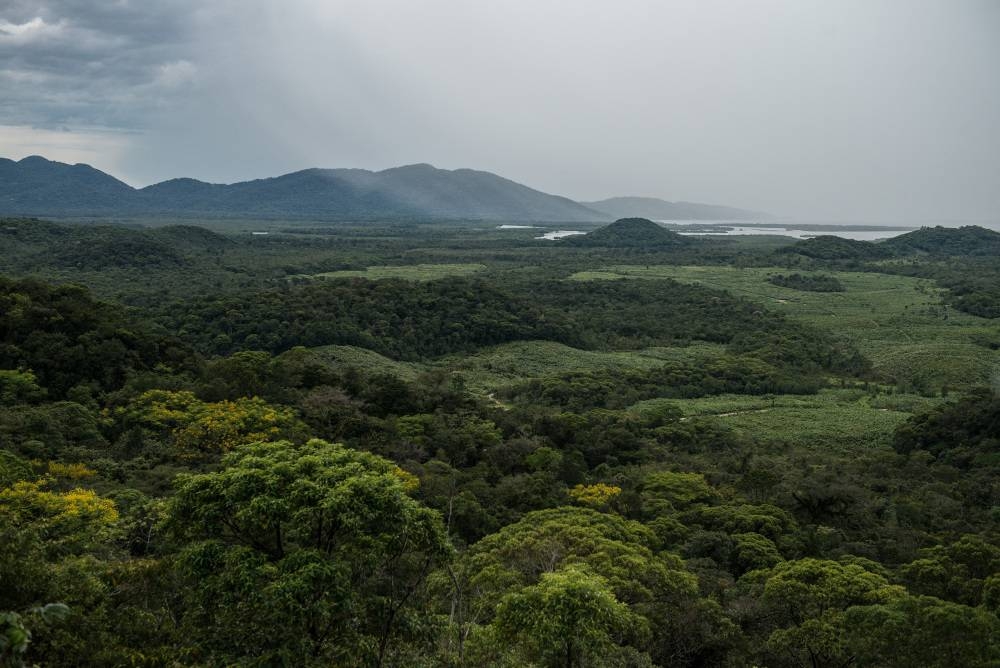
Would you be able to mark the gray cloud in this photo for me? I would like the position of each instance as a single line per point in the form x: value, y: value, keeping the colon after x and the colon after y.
x: 856, y: 109
x: 90, y: 63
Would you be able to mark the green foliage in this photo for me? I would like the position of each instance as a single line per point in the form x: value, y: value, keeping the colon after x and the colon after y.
x: 13, y: 469
x: 957, y: 572
x: 318, y: 540
x: 526, y: 559
x: 392, y: 317
x: 67, y: 339
x: 198, y: 428
x: 805, y: 602
x: 739, y: 529
x: 570, y: 618
x: 900, y: 323
x: 19, y: 387
x: 961, y: 241
x: 919, y: 631
x: 668, y: 492
x: 621, y: 388
x: 631, y: 233
x: 965, y: 433
x: 829, y: 247
x: 15, y: 636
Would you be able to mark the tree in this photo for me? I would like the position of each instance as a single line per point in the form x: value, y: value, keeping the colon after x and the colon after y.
x: 304, y: 555
x: 684, y: 628
x: 50, y: 548
x: 804, y: 602
x: 922, y: 632
x: 200, y: 429
x: 570, y: 618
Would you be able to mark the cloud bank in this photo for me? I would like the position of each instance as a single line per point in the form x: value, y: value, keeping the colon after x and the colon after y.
x: 854, y: 110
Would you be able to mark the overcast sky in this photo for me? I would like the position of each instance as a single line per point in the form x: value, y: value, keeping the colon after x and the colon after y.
x: 877, y: 110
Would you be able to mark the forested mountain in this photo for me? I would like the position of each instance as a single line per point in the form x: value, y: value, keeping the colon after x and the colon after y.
x: 658, y: 209
x: 38, y: 186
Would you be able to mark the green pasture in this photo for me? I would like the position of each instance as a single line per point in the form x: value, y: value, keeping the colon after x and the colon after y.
x: 831, y: 420
x: 901, y: 323
x: 367, y: 360
x: 492, y: 368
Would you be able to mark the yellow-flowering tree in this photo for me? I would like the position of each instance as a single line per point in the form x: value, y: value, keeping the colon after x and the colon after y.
x: 221, y: 426
x: 597, y: 496
x: 196, y: 427
x: 67, y: 520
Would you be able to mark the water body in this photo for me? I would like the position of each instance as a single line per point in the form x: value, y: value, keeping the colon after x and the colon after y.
x: 559, y: 234
x: 795, y: 230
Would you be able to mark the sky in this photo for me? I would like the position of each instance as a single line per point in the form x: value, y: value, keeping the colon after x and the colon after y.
x: 847, y: 110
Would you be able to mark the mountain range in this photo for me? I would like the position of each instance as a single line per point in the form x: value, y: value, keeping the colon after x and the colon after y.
x: 37, y: 186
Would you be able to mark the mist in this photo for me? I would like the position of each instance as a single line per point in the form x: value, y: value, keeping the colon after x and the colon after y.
x: 882, y: 111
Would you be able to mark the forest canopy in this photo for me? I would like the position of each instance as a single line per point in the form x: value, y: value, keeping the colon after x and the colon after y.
x: 565, y: 458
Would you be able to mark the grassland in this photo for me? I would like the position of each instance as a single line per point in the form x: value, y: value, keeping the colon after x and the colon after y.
x: 842, y: 419
x: 899, y: 322
x: 491, y: 369
x: 412, y: 272
x: 368, y: 361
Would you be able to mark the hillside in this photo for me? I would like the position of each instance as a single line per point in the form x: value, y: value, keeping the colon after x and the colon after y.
x: 658, y: 209
x: 968, y: 240
x: 829, y: 247
x: 631, y: 232
x: 36, y: 186
x: 971, y: 240
x: 31, y: 244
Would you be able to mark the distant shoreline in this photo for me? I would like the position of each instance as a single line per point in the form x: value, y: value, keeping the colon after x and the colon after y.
x: 791, y: 225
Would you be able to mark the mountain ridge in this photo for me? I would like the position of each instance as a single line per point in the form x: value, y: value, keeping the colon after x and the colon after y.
x: 36, y: 186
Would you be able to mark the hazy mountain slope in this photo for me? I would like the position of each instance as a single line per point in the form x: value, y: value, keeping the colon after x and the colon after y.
x: 658, y: 209
x: 37, y: 185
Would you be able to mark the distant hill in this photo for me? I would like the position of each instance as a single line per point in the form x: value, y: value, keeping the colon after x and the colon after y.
x: 971, y: 240
x: 36, y: 186
x: 968, y: 240
x: 29, y: 244
x: 631, y: 232
x: 829, y: 247
x: 658, y: 209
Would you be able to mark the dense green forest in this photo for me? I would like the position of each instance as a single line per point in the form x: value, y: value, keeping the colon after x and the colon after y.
x: 444, y: 444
